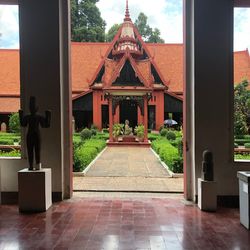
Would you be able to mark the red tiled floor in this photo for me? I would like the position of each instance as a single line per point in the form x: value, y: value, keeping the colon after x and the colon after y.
x: 122, y: 223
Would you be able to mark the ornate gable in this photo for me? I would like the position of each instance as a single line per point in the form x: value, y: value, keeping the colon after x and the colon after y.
x: 131, y: 61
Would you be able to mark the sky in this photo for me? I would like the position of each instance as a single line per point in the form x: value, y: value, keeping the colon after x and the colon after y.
x: 163, y: 14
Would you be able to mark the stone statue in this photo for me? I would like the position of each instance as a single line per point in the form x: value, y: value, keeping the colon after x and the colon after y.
x: 207, y: 166
x: 33, y: 139
x: 127, y: 129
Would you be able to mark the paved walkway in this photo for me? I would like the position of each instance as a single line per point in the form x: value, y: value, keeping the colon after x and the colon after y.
x: 128, y: 169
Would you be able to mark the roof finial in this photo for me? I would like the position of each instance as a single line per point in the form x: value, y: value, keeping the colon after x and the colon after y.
x: 127, y: 16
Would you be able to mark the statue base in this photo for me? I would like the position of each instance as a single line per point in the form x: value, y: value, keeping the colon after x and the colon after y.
x: 207, y: 195
x: 34, y: 190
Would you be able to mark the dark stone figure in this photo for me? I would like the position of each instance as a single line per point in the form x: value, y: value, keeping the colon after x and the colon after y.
x: 207, y: 166
x: 33, y: 139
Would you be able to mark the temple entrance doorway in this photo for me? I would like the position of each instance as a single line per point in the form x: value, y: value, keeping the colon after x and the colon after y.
x: 128, y: 111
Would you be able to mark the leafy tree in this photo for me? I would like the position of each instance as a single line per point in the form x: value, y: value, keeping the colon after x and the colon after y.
x: 86, y: 22
x: 14, y: 123
x: 155, y: 37
x: 241, y: 107
x: 142, y: 25
x: 148, y: 34
x: 112, y: 32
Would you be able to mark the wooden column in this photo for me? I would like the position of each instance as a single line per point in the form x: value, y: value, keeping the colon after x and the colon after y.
x: 110, y: 119
x: 145, y: 120
x: 97, y: 109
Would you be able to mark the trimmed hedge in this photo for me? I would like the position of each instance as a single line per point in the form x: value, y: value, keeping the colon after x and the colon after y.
x: 153, y: 137
x: 168, y: 154
x: 171, y: 135
x: 242, y: 157
x: 85, y: 152
x: 86, y: 134
x: 241, y: 142
x: 163, y: 132
x: 13, y: 153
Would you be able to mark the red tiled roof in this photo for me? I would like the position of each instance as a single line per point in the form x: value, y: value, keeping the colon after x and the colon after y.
x: 9, y: 104
x: 9, y: 72
x: 86, y: 57
x: 241, y: 66
x: 169, y: 59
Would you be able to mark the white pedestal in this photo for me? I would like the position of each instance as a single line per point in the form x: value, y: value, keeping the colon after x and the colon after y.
x: 34, y: 190
x: 207, y: 195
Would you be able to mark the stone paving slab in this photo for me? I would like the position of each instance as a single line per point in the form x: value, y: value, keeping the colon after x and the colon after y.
x: 140, y: 184
x: 128, y: 169
x: 127, y: 162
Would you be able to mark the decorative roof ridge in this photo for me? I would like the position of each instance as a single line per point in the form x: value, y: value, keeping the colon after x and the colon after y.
x: 82, y: 94
x: 90, y: 43
x: 127, y: 15
x: 2, y: 49
x: 165, y: 44
x: 106, y: 55
x: 173, y: 95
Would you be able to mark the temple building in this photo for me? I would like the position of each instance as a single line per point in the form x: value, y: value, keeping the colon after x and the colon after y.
x: 113, y: 82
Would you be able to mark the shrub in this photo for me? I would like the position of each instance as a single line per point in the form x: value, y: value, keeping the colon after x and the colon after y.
x: 163, y: 132
x: 247, y: 145
x: 103, y: 136
x: 96, y: 143
x: 247, y: 137
x: 242, y: 157
x: 86, y: 134
x: 153, y: 137
x: 239, y: 136
x: 170, y: 135
x: 161, y: 127
x: 168, y: 154
x: 105, y: 130
x: 149, y: 131
x: 14, y: 123
x: 241, y: 142
x: 83, y: 156
x: 93, y: 131
x: 236, y: 145
x: 13, y: 153
x: 7, y: 141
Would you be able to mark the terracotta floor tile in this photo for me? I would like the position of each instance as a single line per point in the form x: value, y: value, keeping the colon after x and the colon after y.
x: 122, y: 223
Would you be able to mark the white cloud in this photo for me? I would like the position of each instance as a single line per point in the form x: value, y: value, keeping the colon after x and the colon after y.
x: 9, y: 28
x: 241, y: 29
x: 163, y: 14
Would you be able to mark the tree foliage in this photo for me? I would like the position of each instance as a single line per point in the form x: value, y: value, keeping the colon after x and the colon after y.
x: 241, y: 108
x: 149, y: 35
x: 14, y: 123
x: 112, y: 32
x: 86, y: 22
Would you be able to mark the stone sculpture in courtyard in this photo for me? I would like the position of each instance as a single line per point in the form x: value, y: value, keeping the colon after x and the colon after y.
x: 127, y: 129
x: 33, y: 138
x: 207, y: 166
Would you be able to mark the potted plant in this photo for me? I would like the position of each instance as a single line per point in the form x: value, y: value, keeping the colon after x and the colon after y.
x: 139, y: 131
x: 117, y: 130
